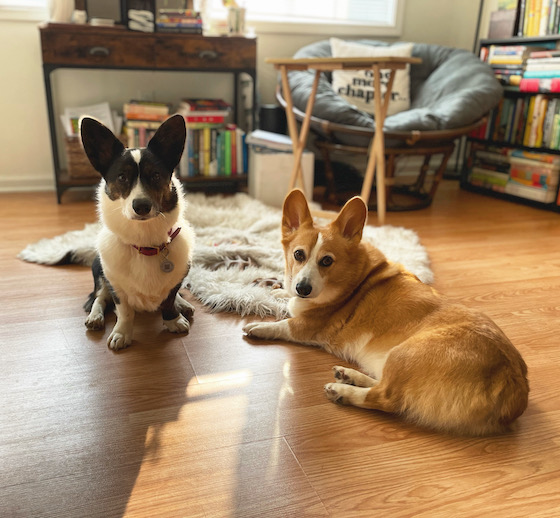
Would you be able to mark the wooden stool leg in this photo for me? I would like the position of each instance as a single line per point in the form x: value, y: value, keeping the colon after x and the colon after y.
x: 304, y: 132
x: 298, y: 141
x: 376, y: 160
x: 291, y: 119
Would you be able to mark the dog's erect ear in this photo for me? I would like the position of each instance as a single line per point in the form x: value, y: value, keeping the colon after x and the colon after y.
x: 295, y: 212
x: 100, y: 145
x: 169, y: 141
x: 352, y: 218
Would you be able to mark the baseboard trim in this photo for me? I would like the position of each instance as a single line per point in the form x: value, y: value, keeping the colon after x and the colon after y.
x: 28, y: 184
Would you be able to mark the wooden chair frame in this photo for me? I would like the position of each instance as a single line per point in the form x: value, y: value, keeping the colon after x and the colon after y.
x: 401, y: 143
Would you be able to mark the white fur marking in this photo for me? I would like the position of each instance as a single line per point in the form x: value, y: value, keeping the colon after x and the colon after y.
x: 136, y: 193
x: 310, y: 271
x: 372, y: 361
x: 136, y: 155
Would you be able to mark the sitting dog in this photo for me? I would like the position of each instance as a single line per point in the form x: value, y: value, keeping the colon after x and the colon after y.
x: 145, y: 245
x: 439, y: 364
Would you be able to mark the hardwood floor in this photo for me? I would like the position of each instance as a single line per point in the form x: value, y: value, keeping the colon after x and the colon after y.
x: 212, y: 425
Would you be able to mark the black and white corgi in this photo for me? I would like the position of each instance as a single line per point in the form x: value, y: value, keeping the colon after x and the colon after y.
x: 145, y: 245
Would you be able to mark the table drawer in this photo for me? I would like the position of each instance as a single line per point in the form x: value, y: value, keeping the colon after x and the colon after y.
x: 125, y: 50
x: 211, y: 53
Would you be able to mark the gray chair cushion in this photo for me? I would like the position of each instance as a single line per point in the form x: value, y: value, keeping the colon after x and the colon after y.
x: 450, y: 89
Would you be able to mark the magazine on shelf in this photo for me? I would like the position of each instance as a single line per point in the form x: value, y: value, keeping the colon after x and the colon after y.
x: 270, y: 140
x: 102, y: 112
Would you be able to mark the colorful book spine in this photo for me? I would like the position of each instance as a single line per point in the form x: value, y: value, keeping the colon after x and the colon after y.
x: 536, y: 85
x: 227, y: 153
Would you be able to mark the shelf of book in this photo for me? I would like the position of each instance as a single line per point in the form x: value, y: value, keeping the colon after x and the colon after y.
x: 523, y: 129
x: 521, y: 174
x: 75, y: 46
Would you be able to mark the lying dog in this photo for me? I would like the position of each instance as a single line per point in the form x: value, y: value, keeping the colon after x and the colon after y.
x: 145, y: 246
x: 439, y: 364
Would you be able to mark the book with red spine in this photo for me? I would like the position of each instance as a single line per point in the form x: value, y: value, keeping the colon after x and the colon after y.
x: 543, y: 85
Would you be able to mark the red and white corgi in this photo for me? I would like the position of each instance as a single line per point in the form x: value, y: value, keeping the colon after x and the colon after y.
x: 439, y: 364
x: 145, y: 245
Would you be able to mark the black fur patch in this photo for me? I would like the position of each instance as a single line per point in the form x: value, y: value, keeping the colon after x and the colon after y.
x: 167, y: 307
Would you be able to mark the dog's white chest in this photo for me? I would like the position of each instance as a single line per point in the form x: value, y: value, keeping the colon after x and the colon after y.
x: 141, y: 278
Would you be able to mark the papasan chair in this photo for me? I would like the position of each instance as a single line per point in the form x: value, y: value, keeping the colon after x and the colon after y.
x: 451, y: 92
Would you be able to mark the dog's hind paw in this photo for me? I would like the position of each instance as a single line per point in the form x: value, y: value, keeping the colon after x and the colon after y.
x: 333, y: 394
x: 352, y: 377
x: 178, y: 325
x: 347, y: 394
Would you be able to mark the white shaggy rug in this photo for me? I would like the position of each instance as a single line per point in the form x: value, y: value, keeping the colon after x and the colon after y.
x: 237, y: 241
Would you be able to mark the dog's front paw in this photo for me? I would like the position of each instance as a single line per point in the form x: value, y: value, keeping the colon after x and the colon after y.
x: 95, y: 322
x: 252, y: 329
x: 280, y: 293
x: 185, y: 308
x: 178, y: 325
x: 118, y: 340
x: 268, y: 282
x: 266, y: 330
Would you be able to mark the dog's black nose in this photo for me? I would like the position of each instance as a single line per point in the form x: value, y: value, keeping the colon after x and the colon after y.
x: 303, y: 289
x: 142, y: 206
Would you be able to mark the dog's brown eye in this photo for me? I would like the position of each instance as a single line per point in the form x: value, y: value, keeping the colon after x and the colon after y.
x: 121, y: 178
x: 326, y: 261
x: 299, y: 255
x: 155, y: 177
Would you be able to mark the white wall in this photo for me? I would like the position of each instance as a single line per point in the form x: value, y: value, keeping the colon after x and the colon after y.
x: 25, y: 160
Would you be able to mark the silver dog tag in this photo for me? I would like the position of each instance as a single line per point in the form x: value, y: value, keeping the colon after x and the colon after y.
x: 166, y: 266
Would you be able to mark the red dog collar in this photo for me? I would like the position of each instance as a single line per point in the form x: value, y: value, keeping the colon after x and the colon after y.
x: 155, y: 250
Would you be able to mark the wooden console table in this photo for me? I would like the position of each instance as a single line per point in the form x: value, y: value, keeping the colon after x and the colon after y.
x: 376, y: 161
x: 85, y: 46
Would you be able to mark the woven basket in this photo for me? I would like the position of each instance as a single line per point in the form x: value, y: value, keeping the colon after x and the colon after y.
x: 78, y: 162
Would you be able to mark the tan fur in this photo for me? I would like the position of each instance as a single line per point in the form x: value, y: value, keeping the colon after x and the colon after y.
x: 439, y: 364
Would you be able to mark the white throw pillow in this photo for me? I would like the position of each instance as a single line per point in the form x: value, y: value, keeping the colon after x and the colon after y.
x: 356, y: 86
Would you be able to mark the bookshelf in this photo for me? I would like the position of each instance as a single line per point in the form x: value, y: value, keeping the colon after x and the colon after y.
x: 513, y: 96
x: 84, y: 46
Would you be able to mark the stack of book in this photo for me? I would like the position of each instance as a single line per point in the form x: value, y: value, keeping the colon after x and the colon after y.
x: 506, y: 61
x: 533, y: 176
x: 213, y: 147
x: 542, y: 72
x: 509, y: 61
x: 143, y: 118
x: 489, y: 167
x: 179, y: 20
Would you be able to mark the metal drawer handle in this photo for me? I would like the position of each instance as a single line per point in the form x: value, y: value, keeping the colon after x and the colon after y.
x: 99, y: 51
x: 208, y: 54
